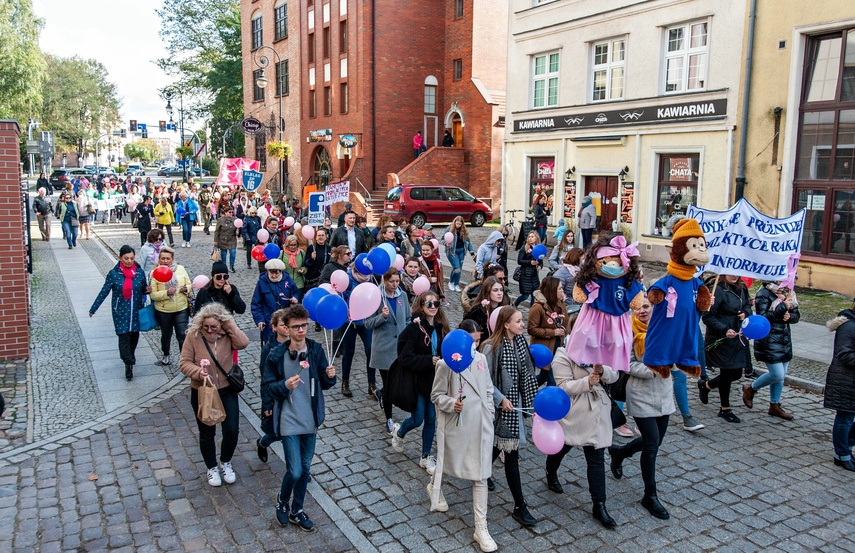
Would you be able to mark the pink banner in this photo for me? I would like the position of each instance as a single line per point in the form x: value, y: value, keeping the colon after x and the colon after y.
x: 231, y: 170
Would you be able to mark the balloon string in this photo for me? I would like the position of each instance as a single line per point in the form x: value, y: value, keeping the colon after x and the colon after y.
x: 524, y: 409
x: 342, y: 340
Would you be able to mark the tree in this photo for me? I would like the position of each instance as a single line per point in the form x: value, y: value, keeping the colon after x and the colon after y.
x: 22, y: 65
x: 79, y: 102
x: 144, y: 149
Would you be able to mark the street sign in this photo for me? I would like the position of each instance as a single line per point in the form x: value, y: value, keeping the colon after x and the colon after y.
x: 316, y: 209
x: 251, y: 125
x: 142, y: 127
x: 32, y: 146
x: 252, y: 180
x: 199, y: 151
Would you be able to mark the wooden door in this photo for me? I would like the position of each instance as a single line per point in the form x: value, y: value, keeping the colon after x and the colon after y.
x: 604, y: 193
x: 457, y: 131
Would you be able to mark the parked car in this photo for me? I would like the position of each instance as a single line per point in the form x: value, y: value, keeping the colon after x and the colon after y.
x: 170, y: 172
x: 135, y: 170
x: 420, y: 204
x: 106, y: 172
x: 60, y: 177
x: 198, y: 172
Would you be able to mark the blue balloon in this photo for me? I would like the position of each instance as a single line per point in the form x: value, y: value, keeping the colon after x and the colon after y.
x: 390, y: 251
x: 458, y: 350
x: 331, y: 312
x: 756, y: 327
x: 271, y: 251
x: 552, y: 403
x: 379, y: 260
x: 311, y: 299
x: 360, y: 263
x: 541, y: 355
x: 538, y: 252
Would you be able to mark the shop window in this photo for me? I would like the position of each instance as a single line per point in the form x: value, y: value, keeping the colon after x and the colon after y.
x: 542, y: 180
x: 677, y: 188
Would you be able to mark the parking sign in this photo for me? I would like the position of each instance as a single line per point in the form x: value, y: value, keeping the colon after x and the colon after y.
x: 316, y: 209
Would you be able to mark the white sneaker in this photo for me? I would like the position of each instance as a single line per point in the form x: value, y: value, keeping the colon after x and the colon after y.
x: 228, y: 473
x: 397, y: 443
x: 483, y: 537
x: 442, y: 506
x: 214, y: 477
x: 428, y: 463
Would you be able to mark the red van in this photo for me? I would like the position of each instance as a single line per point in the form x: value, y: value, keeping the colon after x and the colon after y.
x: 427, y: 203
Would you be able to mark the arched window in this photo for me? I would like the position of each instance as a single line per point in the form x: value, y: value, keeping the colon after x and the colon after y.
x: 257, y: 39
x: 321, y: 168
x: 430, y: 94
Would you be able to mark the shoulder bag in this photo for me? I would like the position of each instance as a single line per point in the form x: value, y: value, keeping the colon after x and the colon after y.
x: 146, y: 317
x: 236, y: 379
x: 402, y: 388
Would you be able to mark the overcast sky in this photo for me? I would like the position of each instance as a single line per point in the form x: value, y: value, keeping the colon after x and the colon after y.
x: 123, y: 36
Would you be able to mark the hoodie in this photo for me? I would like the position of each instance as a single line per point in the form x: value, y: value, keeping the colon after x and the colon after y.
x: 488, y: 252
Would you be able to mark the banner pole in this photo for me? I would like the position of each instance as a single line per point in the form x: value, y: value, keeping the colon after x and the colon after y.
x: 714, y: 286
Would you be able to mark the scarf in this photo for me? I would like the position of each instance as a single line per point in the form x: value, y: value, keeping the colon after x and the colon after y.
x: 680, y: 271
x: 155, y: 252
x: 639, y: 334
x: 173, y: 282
x: 292, y: 257
x: 520, y: 390
x: 128, y: 285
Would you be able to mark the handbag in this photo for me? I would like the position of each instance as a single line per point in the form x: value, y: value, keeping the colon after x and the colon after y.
x: 211, y: 410
x: 402, y: 388
x: 617, y: 389
x: 618, y: 418
x: 75, y: 222
x: 518, y: 273
x: 146, y: 317
x: 90, y: 209
x: 215, y: 254
x: 237, y: 382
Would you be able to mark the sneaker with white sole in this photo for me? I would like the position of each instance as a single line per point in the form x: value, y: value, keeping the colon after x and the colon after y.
x: 390, y: 424
x: 229, y: 475
x: 483, y: 537
x: 690, y: 424
x: 624, y: 431
x: 397, y: 442
x: 442, y: 506
x: 214, y: 477
x: 428, y: 463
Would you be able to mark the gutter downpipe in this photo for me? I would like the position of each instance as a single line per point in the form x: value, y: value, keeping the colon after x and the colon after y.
x: 746, y: 92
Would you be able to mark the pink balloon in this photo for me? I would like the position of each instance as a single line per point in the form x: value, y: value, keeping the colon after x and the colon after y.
x: 200, y: 282
x: 548, y: 436
x: 399, y: 262
x: 421, y: 285
x: 435, y: 243
x: 448, y: 238
x: 339, y: 280
x: 328, y: 287
x: 297, y: 226
x: 238, y: 223
x: 289, y: 221
x: 494, y: 316
x: 308, y: 232
x: 364, y: 301
x: 262, y: 235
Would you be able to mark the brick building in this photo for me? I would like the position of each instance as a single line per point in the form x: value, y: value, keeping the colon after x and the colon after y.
x: 375, y: 73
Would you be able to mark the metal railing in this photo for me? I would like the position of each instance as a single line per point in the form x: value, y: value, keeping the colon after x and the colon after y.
x: 367, y: 193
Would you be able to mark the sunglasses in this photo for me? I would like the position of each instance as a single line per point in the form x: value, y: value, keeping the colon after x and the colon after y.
x: 431, y: 304
x: 221, y: 277
x: 502, y: 279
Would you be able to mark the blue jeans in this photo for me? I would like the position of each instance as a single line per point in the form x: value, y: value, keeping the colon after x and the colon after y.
x: 187, y: 229
x: 70, y: 233
x: 425, y: 412
x: 681, y: 395
x: 774, y: 378
x: 348, y: 349
x: 587, y: 236
x: 456, y: 258
x: 541, y: 233
x: 232, y: 252
x: 843, y: 435
x: 299, y: 451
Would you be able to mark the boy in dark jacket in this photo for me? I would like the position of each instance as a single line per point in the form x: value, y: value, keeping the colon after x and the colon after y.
x: 292, y: 384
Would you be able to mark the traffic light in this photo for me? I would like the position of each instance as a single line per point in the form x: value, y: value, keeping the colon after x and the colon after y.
x: 133, y: 125
x: 161, y: 126
x: 145, y: 133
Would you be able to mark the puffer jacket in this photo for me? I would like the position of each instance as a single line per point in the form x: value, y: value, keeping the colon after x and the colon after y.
x: 729, y: 301
x: 840, y: 380
x: 777, y: 347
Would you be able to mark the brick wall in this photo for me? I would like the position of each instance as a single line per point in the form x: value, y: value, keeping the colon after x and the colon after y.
x: 438, y: 166
x: 15, y: 292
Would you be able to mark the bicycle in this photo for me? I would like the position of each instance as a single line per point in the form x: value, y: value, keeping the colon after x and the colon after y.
x: 513, y: 233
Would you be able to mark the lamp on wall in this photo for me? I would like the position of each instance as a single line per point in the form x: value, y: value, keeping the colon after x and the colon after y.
x: 623, y: 173
x: 569, y: 173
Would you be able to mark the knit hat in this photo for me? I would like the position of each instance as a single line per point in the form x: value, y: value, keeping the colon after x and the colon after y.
x: 219, y: 268
x: 275, y: 264
x: 686, y: 228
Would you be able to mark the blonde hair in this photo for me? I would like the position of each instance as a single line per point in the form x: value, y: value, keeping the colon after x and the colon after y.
x: 210, y: 311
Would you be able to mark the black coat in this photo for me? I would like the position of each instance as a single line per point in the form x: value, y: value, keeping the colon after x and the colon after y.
x: 728, y: 303
x: 329, y: 269
x: 315, y: 266
x: 209, y: 294
x: 777, y: 347
x: 479, y: 316
x: 840, y: 380
x: 144, y: 215
x: 417, y: 357
x: 529, y: 278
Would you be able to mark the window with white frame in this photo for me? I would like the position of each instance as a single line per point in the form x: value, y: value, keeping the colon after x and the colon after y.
x: 545, y: 80
x: 686, y: 54
x: 607, y: 76
x: 257, y: 39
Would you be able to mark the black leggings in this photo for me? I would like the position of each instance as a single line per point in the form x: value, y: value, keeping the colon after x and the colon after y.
x: 652, y: 434
x: 596, y: 469
x: 512, y: 474
x: 169, y: 322
x: 208, y: 434
x: 725, y: 378
x: 387, y: 403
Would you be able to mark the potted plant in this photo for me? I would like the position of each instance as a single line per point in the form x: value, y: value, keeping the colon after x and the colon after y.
x: 278, y: 150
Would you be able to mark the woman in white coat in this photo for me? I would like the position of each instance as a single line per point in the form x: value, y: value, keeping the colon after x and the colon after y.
x: 464, y: 434
x: 588, y: 425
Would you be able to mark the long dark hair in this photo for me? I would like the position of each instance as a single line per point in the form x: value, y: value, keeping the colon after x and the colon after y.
x: 588, y: 272
x: 484, y: 294
x: 549, y: 288
x: 440, y: 323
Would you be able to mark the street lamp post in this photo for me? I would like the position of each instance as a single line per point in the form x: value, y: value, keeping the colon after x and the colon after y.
x: 263, y: 61
x: 169, y: 111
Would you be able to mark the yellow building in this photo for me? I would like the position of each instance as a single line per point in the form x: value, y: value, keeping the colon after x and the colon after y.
x: 800, y: 146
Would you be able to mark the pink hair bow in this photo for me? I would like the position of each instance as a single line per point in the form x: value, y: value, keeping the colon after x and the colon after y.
x: 618, y: 247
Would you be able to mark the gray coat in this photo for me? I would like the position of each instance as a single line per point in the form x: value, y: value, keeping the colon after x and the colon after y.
x: 589, y: 421
x: 647, y: 394
x: 384, y: 340
x: 588, y: 217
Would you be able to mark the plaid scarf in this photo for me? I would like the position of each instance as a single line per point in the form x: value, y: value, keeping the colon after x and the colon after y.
x: 515, y: 362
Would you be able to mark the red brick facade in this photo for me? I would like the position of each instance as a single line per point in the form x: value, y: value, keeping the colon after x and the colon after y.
x: 15, y: 292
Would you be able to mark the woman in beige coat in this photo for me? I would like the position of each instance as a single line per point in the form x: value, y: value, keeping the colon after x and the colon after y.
x: 464, y: 434
x: 588, y: 425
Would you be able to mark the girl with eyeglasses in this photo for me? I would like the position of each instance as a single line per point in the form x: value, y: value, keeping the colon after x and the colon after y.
x: 221, y: 291
x: 340, y: 257
x: 419, y: 350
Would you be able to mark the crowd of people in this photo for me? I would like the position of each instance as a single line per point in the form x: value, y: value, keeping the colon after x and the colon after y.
x: 490, y: 400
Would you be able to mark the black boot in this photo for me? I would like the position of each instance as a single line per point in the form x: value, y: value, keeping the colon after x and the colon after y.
x: 603, y: 516
x: 522, y: 516
x: 491, y: 486
x: 651, y: 503
x: 129, y: 372
x: 616, y: 456
x: 553, y: 483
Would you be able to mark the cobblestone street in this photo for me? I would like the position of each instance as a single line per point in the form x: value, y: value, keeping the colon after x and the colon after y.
x: 761, y: 485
